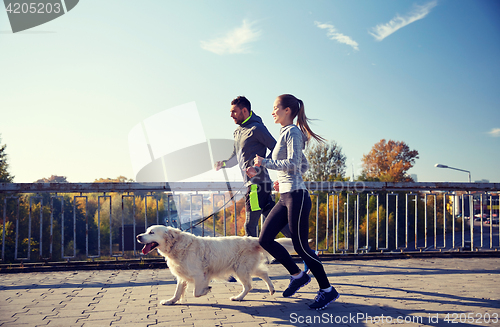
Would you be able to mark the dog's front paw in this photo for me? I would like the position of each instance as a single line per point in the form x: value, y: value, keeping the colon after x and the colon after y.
x: 236, y: 298
x: 168, y: 302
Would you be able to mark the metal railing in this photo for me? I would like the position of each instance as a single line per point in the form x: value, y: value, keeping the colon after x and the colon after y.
x: 73, y: 221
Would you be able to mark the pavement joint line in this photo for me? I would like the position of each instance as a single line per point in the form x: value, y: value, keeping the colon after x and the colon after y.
x: 374, y: 287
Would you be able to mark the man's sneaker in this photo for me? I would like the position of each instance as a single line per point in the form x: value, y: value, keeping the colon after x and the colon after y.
x: 323, y: 299
x: 295, y: 284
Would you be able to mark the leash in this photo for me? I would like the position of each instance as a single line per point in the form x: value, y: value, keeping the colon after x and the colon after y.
x: 213, y: 213
x: 228, y: 184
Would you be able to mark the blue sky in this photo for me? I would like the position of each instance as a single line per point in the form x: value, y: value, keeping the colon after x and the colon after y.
x: 423, y: 72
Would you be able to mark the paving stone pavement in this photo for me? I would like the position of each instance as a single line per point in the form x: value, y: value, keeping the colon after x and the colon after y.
x: 406, y: 292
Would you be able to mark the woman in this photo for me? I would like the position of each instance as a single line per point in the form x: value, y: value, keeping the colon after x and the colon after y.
x: 294, y: 204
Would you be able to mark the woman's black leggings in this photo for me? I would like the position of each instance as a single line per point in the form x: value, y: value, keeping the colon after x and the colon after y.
x: 293, y: 208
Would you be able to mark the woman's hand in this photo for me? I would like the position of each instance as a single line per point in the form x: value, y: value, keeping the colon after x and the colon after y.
x: 257, y: 161
x: 251, y: 172
x: 276, y: 186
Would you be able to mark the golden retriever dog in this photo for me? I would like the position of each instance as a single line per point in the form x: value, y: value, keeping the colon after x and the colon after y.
x: 197, y: 260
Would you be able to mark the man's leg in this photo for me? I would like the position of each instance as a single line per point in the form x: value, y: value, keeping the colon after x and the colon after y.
x: 251, y: 223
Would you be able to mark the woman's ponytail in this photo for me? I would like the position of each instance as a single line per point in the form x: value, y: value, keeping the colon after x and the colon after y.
x: 297, y: 107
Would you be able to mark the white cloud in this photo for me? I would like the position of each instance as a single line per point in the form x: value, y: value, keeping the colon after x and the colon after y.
x: 495, y: 132
x: 333, y: 34
x: 382, y: 31
x: 236, y: 41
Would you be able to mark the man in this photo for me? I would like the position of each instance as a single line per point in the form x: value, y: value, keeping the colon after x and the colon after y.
x: 251, y: 138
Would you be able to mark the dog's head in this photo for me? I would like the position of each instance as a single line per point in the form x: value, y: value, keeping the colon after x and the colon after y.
x: 158, y: 236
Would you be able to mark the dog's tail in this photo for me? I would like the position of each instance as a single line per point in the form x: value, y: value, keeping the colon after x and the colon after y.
x: 286, y: 243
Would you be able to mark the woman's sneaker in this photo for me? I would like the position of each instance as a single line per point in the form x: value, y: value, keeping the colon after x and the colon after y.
x: 323, y: 299
x: 295, y: 284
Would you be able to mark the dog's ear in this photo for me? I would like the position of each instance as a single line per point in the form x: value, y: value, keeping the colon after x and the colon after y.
x: 170, y: 236
x: 167, y: 235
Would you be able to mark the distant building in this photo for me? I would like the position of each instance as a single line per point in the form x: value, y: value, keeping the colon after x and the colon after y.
x: 482, y: 181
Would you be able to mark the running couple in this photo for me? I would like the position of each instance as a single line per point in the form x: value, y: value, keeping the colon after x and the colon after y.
x: 252, y: 139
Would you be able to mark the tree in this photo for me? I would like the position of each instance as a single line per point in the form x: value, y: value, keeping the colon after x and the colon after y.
x: 5, y: 177
x: 119, y: 179
x: 326, y: 162
x: 389, y: 162
x: 53, y: 179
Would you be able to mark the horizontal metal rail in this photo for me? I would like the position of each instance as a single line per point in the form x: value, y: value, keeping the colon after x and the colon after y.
x: 66, y: 221
x: 222, y: 186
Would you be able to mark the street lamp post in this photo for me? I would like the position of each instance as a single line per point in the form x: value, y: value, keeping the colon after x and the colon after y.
x: 444, y: 166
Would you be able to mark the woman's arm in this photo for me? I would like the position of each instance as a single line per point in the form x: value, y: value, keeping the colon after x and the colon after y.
x: 291, y: 154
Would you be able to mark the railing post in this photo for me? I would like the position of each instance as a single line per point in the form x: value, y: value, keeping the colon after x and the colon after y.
x: 104, y: 196
x: 317, y: 220
x: 336, y: 224
x: 133, y: 221
x: 396, y: 218
x: 61, y: 199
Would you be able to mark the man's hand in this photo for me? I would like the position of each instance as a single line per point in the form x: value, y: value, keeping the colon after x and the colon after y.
x: 251, y: 172
x: 218, y: 165
x: 276, y: 186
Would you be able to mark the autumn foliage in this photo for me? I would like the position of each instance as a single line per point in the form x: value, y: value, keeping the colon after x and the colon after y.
x: 388, y: 161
